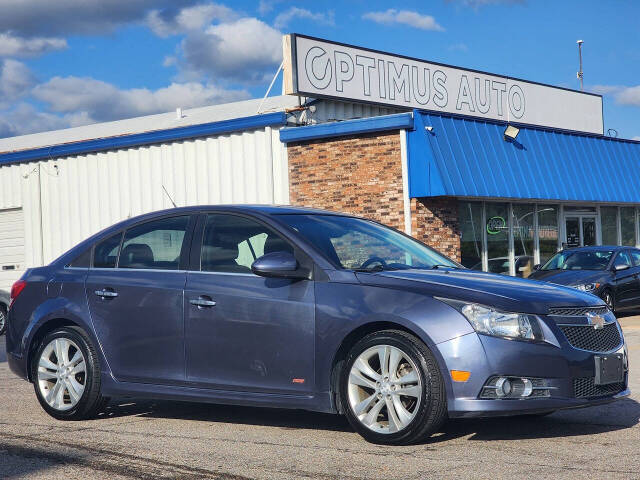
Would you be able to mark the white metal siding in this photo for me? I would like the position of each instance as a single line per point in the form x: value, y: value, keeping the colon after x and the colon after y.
x: 335, y: 110
x: 80, y: 195
x: 11, y: 246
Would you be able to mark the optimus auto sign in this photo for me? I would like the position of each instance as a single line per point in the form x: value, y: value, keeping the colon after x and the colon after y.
x: 319, y: 68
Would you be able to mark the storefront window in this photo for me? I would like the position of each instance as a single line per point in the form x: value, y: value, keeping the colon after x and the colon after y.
x: 547, y: 231
x: 472, y: 231
x: 628, y: 226
x: 523, y: 238
x: 609, y: 224
x: 497, y: 229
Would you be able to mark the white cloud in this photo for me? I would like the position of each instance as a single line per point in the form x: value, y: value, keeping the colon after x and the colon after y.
x: 170, y: 22
x: 481, y: 3
x: 404, y: 17
x: 91, y: 100
x: 294, y: 12
x: 622, y: 95
x: 24, y: 119
x: 246, y: 50
x: 16, y: 81
x: 12, y: 46
x: 29, y: 18
x: 459, y: 47
x: 637, y: 138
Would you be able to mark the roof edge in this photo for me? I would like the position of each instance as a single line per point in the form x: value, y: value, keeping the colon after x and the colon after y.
x: 146, y: 138
x: 397, y: 121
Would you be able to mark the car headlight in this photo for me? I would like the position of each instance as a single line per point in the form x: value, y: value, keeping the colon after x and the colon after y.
x: 486, y: 320
x: 587, y: 287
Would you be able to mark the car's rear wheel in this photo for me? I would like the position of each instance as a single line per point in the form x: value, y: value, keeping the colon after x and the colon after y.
x: 66, y: 375
x: 392, y: 390
x: 3, y: 319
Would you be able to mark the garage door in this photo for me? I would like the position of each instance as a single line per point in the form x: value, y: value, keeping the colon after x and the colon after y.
x: 11, y: 246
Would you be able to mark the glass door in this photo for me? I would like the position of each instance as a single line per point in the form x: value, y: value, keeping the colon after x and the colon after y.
x: 580, y: 230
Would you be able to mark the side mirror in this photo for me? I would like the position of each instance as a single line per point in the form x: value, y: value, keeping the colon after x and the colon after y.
x: 278, y: 265
x: 537, y: 266
x: 621, y: 266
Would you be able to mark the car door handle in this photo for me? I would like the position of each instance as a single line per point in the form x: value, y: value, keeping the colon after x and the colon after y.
x: 202, y: 302
x: 106, y: 293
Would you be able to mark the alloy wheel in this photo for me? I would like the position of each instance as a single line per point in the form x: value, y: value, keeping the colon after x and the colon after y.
x: 384, y: 389
x: 62, y: 374
x: 3, y: 320
x: 608, y: 299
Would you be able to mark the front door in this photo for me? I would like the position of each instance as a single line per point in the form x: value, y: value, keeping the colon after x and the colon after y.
x: 245, y: 332
x: 135, y: 294
x: 580, y: 230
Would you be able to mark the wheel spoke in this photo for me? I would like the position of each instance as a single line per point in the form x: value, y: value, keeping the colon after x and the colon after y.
x: 394, y: 360
x: 363, y: 366
x: 414, y: 391
x: 46, y: 363
x: 359, y: 379
x: 74, y: 394
x: 371, y: 418
x: 394, y: 422
x: 79, y: 368
x: 402, y: 413
x: 59, y: 400
x: 362, y: 407
x: 77, y: 358
x: 53, y: 393
x: 46, y: 375
x: 383, y: 355
x: 411, y: 377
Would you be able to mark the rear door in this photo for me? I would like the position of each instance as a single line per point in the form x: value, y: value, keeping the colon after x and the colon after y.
x: 245, y: 332
x: 135, y: 291
x: 634, y: 301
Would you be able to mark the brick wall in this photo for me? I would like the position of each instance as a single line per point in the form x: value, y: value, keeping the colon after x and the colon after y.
x: 362, y: 175
x: 435, y: 222
x: 359, y: 174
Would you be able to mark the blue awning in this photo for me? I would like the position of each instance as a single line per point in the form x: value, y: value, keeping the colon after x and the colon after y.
x: 470, y: 158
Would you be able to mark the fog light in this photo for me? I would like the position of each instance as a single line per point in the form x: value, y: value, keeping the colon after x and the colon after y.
x: 515, y: 388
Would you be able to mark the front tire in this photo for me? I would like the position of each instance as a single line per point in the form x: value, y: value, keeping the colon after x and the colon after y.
x: 391, y: 389
x: 66, y: 375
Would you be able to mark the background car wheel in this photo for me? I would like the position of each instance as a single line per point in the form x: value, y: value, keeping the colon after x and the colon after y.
x: 66, y: 375
x: 391, y: 389
x: 3, y: 319
x: 607, y: 296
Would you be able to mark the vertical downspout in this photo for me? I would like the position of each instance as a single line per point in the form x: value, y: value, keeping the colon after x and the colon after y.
x: 406, y: 201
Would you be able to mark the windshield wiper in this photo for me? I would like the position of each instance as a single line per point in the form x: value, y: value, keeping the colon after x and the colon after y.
x: 375, y: 268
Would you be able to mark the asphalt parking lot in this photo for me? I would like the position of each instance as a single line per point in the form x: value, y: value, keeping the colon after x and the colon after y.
x: 178, y: 440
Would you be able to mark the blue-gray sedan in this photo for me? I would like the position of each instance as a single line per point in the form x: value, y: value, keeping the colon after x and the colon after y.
x: 297, y: 308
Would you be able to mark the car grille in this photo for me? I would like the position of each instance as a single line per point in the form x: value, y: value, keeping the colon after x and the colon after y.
x: 577, y: 311
x: 586, y: 388
x: 588, y: 338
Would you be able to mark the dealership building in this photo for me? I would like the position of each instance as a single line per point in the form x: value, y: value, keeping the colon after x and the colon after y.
x: 496, y: 172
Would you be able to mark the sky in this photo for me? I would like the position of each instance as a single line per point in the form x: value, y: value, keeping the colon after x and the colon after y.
x: 68, y: 63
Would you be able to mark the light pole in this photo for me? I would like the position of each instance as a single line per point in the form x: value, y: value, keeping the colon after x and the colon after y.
x: 580, y: 73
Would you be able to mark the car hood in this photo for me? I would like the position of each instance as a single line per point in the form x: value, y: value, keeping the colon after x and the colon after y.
x: 569, y: 277
x: 499, y: 291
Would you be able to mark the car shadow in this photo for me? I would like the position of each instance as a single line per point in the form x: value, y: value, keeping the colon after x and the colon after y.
x: 587, y: 421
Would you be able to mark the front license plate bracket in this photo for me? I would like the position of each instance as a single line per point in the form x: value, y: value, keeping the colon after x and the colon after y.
x: 609, y: 369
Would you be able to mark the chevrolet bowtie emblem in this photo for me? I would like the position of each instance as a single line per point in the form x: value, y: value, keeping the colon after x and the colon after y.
x: 596, y: 320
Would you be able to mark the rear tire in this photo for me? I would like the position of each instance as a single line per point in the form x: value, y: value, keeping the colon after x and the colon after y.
x: 68, y: 388
x: 3, y: 319
x: 411, y: 387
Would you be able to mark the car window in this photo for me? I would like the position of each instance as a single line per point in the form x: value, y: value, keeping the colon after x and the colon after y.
x: 105, y: 255
x: 231, y: 243
x: 635, y: 257
x: 623, y: 258
x: 156, y: 244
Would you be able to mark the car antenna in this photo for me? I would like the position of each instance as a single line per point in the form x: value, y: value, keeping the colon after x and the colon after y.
x: 170, y: 199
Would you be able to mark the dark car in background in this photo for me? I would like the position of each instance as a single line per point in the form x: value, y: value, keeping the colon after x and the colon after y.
x: 296, y: 308
x: 610, y: 272
x: 4, y: 307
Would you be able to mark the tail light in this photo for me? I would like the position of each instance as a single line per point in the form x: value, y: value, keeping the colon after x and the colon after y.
x: 16, y: 290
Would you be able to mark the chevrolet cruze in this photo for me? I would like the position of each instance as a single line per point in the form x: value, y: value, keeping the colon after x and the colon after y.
x: 296, y: 308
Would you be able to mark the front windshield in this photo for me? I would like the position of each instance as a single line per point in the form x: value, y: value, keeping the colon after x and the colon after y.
x: 358, y: 244
x: 579, y: 260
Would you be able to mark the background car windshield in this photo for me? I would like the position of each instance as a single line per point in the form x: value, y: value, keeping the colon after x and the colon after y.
x: 590, y: 260
x: 353, y: 243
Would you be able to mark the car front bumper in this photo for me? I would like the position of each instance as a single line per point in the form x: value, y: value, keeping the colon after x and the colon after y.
x: 559, y: 365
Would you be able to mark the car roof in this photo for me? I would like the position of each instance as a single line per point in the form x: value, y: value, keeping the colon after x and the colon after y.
x: 263, y: 209
x: 596, y: 248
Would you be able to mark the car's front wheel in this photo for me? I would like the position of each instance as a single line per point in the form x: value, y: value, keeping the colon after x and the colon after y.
x: 66, y: 375
x: 391, y: 389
